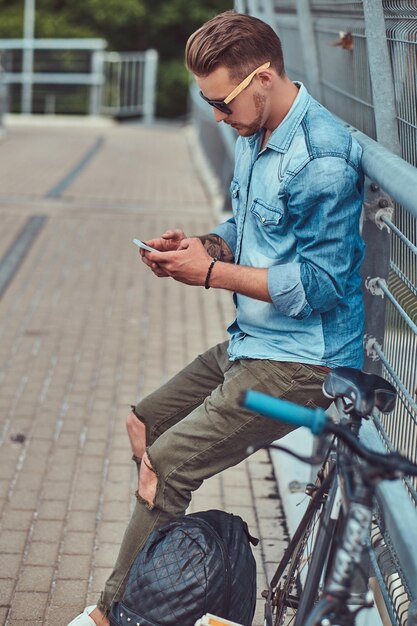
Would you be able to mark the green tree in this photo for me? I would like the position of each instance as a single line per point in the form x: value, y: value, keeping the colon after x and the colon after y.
x: 126, y: 25
x: 170, y: 25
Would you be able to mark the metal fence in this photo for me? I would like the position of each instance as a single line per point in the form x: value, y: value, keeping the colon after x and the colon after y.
x: 53, y: 75
x: 77, y: 76
x: 129, y: 84
x: 359, y: 58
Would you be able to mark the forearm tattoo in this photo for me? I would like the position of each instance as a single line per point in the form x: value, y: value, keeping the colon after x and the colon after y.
x: 217, y: 247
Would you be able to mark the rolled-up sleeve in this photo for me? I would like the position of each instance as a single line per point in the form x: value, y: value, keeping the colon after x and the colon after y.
x: 287, y: 291
x: 228, y: 232
x: 324, y: 205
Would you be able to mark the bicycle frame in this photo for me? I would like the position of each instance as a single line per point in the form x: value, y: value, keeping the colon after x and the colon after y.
x: 338, y: 485
x: 357, y: 499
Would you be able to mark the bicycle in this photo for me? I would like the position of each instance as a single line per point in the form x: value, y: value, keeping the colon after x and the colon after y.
x: 314, y: 582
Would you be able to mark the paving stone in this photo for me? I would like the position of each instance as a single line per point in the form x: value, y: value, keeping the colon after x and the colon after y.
x: 63, y: 473
x: 120, y: 473
x: 65, y: 589
x: 6, y: 591
x: 71, y: 567
x: 86, y: 500
x: 90, y: 483
x: 24, y: 499
x: 56, y: 490
x: 12, y: 541
x: 16, y: 520
x: 28, y: 605
x: 3, y: 614
x: 4, y: 488
x: 63, y: 614
x: 10, y: 564
x: 116, y: 511
x: 100, y: 576
x: 25, y: 622
x: 81, y: 521
x: 35, y: 578
x: 106, y: 555
x: 90, y: 465
x: 41, y: 553
x: 78, y: 543
x: 52, y: 510
x: 272, y: 549
x: 95, y: 448
x: 270, y: 528
x: 111, y: 532
x: 265, y: 489
x: 47, y: 530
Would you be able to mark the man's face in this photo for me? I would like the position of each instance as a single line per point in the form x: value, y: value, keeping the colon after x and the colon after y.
x: 248, y: 108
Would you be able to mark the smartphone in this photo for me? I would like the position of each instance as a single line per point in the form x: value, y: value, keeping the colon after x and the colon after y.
x: 140, y: 244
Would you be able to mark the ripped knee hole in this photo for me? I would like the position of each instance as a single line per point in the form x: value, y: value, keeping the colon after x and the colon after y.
x: 148, y: 482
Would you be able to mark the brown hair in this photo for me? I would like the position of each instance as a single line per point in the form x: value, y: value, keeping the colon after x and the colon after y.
x: 234, y: 40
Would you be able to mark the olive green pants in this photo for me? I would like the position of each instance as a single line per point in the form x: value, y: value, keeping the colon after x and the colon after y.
x: 195, y: 428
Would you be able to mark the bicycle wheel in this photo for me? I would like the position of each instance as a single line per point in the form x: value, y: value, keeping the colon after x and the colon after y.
x: 296, y: 585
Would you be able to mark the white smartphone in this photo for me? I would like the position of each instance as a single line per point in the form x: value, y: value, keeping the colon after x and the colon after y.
x: 140, y: 244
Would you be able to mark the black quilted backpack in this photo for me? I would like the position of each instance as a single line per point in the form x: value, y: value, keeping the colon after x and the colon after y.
x: 196, y: 564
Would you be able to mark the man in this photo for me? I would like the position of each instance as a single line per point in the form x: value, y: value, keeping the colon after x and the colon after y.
x: 290, y: 255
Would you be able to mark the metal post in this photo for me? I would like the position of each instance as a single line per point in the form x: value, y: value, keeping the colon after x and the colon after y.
x: 3, y: 95
x: 378, y: 241
x: 97, y: 70
x: 311, y: 60
x: 253, y: 8
x: 239, y: 6
x: 269, y: 13
x: 27, y: 64
x: 376, y: 264
x: 149, y: 85
x: 381, y: 76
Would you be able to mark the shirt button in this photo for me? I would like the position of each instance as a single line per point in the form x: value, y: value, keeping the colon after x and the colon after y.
x: 262, y: 219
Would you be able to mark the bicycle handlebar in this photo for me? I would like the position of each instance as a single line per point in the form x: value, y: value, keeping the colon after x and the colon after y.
x: 318, y: 422
x: 284, y: 411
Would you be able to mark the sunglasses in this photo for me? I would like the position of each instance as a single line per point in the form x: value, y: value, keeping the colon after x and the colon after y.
x: 221, y: 105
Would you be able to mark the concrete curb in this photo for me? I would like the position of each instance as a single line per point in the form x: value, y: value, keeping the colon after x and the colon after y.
x: 210, y: 181
x: 62, y: 121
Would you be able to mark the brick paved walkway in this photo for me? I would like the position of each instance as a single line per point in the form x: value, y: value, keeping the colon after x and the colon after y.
x: 85, y: 331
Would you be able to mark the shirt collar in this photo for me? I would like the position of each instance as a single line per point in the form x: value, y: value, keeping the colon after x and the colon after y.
x: 283, y: 135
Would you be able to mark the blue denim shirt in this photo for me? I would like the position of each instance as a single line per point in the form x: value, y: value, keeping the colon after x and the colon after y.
x: 296, y: 211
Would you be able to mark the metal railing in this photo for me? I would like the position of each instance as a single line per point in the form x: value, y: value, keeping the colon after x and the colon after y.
x: 359, y: 58
x: 129, y: 84
x: 3, y: 97
x: 77, y: 76
x: 53, y: 75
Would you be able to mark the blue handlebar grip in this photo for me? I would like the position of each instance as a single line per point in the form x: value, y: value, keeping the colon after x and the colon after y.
x: 284, y: 411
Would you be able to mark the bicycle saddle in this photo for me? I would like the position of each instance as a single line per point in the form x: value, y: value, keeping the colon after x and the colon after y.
x: 365, y: 391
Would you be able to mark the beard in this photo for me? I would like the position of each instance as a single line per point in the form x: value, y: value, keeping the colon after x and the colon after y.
x: 246, y: 130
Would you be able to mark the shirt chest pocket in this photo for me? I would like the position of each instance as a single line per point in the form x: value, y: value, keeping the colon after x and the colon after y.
x: 270, y: 217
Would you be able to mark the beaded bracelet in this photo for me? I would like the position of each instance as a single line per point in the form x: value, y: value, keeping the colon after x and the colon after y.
x: 207, y: 283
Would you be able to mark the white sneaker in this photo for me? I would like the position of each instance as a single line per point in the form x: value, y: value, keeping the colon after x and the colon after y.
x: 84, y: 619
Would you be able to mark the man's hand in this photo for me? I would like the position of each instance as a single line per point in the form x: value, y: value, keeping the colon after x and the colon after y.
x: 188, y: 263
x: 169, y: 241
x: 187, y: 260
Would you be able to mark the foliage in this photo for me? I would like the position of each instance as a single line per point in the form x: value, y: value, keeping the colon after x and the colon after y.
x: 173, y: 83
x: 126, y: 25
